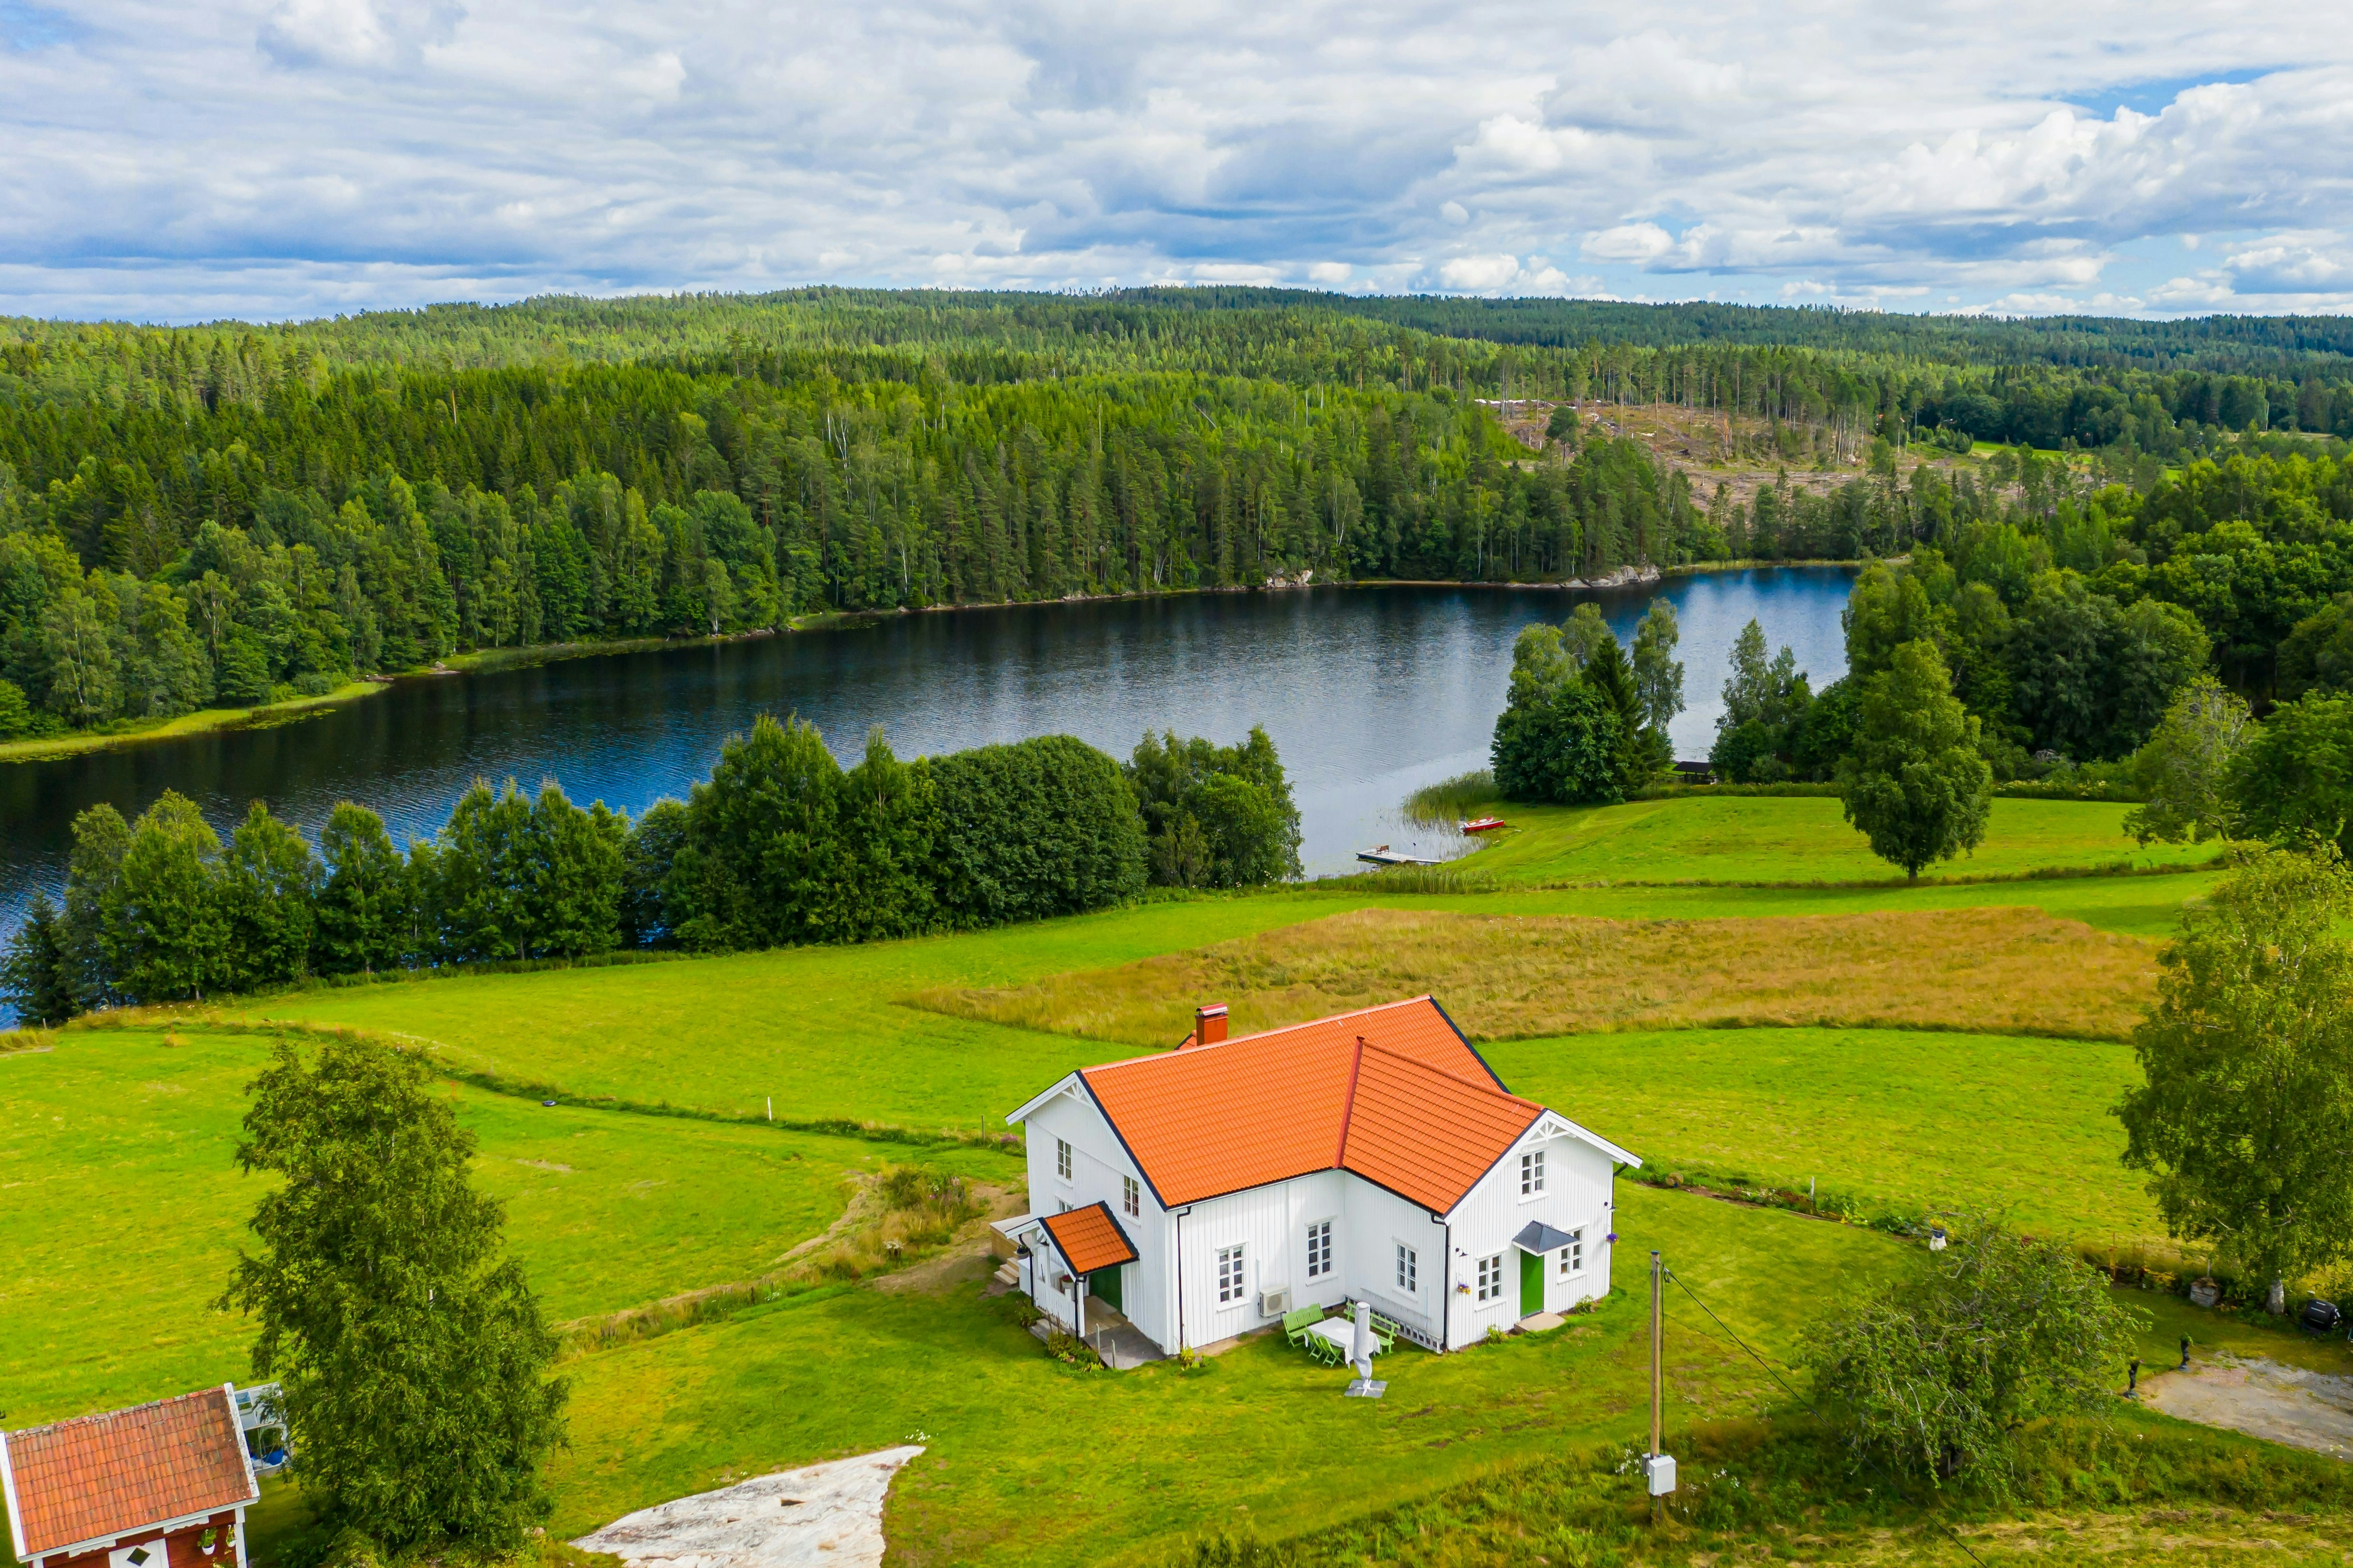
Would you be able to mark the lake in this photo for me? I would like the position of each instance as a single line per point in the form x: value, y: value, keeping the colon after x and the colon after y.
x: 1368, y: 693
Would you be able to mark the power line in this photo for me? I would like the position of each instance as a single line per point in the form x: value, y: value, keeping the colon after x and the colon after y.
x: 1892, y: 1483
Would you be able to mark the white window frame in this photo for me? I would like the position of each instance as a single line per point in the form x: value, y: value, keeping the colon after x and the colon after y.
x: 1131, y: 1196
x: 1319, y: 1249
x: 1408, y: 1272
x: 1233, y: 1275
x: 1062, y: 1158
x: 1572, y: 1256
x: 1491, y: 1278
x: 1532, y: 1175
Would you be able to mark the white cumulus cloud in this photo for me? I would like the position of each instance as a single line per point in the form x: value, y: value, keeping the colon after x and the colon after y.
x: 277, y: 157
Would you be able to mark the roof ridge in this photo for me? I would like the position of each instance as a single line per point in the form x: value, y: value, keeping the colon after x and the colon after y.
x: 1261, y: 1033
x: 1348, y: 1107
x: 112, y: 1415
x: 1488, y: 1088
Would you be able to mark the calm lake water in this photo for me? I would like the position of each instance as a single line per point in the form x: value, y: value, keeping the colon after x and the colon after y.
x: 1368, y: 693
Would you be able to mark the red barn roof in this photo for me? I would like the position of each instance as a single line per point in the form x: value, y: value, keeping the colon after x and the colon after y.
x: 1392, y: 1093
x: 97, y: 1477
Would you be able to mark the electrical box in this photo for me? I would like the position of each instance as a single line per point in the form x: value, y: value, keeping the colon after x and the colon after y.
x: 1659, y: 1470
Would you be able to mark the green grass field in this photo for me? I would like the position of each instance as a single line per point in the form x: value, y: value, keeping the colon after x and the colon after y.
x: 1030, y: 1460
x: 1904, y: 1121
x: 124, y: 1207
x: 1795, y: 838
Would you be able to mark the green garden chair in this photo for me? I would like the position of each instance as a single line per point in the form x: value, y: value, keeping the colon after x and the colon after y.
x: 1295, y: 1322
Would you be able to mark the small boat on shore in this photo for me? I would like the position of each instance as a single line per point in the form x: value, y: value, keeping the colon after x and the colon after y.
x: 1384, y: 855
x: 1484, y: 825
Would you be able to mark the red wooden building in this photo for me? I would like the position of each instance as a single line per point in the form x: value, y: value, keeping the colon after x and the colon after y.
x: 161, y: 1485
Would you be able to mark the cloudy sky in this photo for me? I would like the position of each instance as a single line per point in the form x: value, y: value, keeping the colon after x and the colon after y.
x: 270, y: 158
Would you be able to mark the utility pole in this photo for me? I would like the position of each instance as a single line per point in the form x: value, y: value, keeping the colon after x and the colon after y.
x: 1658, y: 1469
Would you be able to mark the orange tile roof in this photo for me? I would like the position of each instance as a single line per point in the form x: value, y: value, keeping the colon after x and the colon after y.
x: 100, y: 1476
x: 1090, y: 1238
x: 1392, y: 1093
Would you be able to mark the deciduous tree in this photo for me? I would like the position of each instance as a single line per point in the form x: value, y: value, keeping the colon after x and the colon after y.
x: 1915, y: 784
x: 413, y: 1359
x: 2186, y: 764
x: 2244, y: 1117
x: 1937, y: 1373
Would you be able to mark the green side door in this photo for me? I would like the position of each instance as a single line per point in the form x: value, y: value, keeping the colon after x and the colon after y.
x: 1103, y: 1286
x: 1531, y: 1284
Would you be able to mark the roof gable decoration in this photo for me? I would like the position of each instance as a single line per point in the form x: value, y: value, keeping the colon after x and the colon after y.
x: 1553, y: 1124
x: 1067, y: 1085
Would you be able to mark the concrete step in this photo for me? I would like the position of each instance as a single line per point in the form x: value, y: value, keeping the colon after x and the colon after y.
x: 1008, y: 1274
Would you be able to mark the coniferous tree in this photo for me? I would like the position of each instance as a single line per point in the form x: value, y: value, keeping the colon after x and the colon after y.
x: 36, y: 975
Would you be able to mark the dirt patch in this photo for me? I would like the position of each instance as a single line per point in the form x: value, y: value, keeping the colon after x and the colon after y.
x: 546, y: 1166
x: 969, y: 1265
x: 829, y: 1514
x: 1518, y: 977
x: 2261, y: 1399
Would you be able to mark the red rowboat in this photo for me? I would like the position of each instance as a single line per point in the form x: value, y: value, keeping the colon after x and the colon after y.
x: 1484, y: 825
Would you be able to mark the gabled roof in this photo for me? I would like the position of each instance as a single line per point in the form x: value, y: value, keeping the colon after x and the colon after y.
x: 97, y: 1477
x: 1392, y: 1093
x: 1090, y: 1238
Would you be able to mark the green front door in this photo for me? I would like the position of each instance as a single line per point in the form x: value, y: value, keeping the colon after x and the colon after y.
x: 1531, y: 1284
x: 1103, y: 1286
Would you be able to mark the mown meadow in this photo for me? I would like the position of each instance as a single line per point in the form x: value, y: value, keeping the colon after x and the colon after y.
x: 656, y: 1171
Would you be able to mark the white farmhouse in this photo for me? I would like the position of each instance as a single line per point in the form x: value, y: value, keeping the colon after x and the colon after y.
x: 1205, y: 1192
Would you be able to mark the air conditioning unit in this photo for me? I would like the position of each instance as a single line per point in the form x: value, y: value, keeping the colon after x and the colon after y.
x: 1274, y: 1303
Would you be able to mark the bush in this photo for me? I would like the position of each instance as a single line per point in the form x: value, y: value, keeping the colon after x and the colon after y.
x: 1560, y: 747
x: 1936, y: 1374
x: 1043, y: 827
x: 1216, y: 817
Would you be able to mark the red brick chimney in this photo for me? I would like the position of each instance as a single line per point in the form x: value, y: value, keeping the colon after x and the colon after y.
x: 1209, y: 1024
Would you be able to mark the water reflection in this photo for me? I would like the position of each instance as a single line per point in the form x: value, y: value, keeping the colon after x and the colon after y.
x: 1369, y: 693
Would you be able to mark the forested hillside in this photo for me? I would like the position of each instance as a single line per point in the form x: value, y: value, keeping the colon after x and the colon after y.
x: 231, y: 514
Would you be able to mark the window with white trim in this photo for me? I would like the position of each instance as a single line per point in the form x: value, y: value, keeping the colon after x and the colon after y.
x: 1532, y: 1173
x: 1231, y: 1282
x: 1062, y: 1158
x: 1319, y: 1248
x: 1572, y: 1256
x: 1408, y: 1278
x: 1131, y: 1195
x: 1491, y: 1278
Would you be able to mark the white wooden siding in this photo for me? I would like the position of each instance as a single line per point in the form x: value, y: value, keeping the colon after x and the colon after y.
x: 1180, y: 1250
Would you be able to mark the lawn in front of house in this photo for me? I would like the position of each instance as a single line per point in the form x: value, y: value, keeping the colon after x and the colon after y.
x: 1795, y: 838
x: 1032, y: 1460
x: 125, y: 1209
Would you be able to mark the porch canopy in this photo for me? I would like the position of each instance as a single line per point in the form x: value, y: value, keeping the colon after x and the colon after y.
x: 1090, y: 1238
x: 1540, y: 1238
